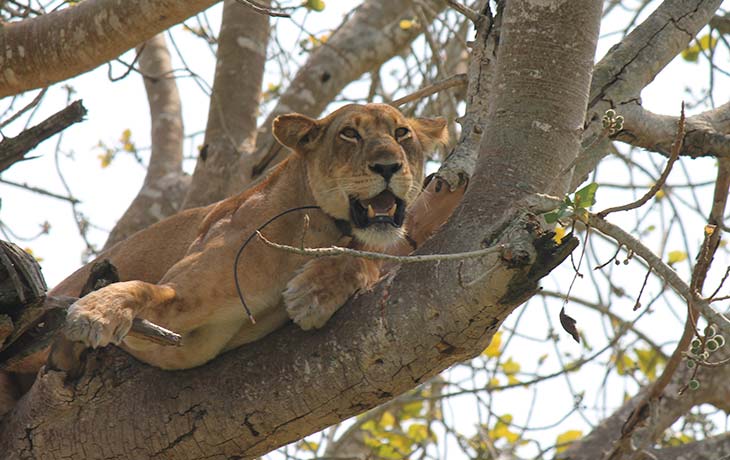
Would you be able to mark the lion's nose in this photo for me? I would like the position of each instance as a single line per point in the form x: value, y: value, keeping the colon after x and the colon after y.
x: 386, y: 170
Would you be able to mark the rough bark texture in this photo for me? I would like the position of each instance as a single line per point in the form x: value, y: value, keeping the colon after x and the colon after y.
x: 234, y: 103
x: 622, y: 74
x: 370, y: 37
x: 412, y: 326
x: 165, y: 184
x: 706, y: 134
x: 55, y: 46
x: 14, y: 149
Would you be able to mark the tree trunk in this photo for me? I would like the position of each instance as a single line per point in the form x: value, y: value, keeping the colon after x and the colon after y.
x: 165, y: 184
x: 234, y: 103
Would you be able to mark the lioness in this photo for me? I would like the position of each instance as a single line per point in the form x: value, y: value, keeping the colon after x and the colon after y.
x: 362, y: 165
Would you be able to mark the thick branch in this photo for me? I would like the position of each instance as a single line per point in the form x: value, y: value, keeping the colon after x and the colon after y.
x: 622, y: 74
x: 234, y: 103
x: 714, y: 448
x: 706, y: 134
x: 65, y: 43
x: 164, y: 185
x: 13, y: 149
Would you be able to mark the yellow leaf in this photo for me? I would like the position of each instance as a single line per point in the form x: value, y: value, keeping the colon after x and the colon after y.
x: 405, y: 24
x: 710, y: 229
x: 106, y: 158
x: 512, y: 380
x: 30, y: 252
x: 411, y: 409
x: 314, y: 5
x: 492, y: 351
x: 510, y: 367
x: 493, y: 382
x: 660, y: 194
x: 559, y: 234
x: 705, y: 43
x: 676, y: 256
x: 648, y: 360
x: 387, y: 420
x: 565, y: 439
x: 418, y: 432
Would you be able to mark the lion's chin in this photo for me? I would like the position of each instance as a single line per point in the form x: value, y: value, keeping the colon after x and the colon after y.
x: 379, y: 235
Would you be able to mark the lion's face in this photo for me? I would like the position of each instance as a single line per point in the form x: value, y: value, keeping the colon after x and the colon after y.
x: 364, y: 164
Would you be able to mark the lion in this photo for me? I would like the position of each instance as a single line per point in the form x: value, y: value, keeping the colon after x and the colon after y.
x: 362, y: 165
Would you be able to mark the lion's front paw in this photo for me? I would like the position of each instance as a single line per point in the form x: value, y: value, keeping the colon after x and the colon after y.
x: 323, y: 286
x: 98, y: 320
x: 309, y: 304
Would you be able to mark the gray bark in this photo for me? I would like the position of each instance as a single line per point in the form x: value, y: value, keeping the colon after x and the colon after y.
x: 234, y: 103
x: 59, y: 45
x: 623, y: 73
x: 165, y: 184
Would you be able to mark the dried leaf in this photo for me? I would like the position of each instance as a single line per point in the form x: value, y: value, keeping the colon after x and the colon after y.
x: 568, y: 324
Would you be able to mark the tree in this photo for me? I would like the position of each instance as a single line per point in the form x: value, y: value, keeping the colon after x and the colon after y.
x: 539, y: 117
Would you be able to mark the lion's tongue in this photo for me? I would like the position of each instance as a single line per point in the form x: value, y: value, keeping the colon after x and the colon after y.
x: 382, y: 203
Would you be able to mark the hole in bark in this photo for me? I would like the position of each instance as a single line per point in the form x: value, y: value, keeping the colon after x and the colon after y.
x: 325, y: 77
x: 204, y: 152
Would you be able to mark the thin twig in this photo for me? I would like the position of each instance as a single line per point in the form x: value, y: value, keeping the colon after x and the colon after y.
x: 667, y: 273
x: 637, y: 304
x: 455, y: 80
x: 470, y: 14
x: 263, y: 9
x: 20, y: 112
x: 40, y: 191
x: 676, y: 148
x: 338, y: 251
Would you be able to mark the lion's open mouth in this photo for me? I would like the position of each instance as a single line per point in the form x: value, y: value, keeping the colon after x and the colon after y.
x: 383, y: 208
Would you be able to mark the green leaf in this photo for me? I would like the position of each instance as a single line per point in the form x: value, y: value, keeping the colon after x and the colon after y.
x: 586, y: 197
x: 551, y: 217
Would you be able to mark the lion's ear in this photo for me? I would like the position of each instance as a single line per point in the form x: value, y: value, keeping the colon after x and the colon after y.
x: 295, y: 130
x: 431, y: 132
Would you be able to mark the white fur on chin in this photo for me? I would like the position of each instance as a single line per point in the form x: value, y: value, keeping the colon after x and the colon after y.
x: 379, y: 238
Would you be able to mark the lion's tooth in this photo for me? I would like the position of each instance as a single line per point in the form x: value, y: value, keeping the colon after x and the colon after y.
x: 371, y: 211
x: 391, y: 211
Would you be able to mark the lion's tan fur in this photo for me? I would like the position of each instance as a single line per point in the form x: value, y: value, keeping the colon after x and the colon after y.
x: 179, y: 272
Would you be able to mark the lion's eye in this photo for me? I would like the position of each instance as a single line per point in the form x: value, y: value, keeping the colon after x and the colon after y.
x: 350, y: 134
x: 402, y: 133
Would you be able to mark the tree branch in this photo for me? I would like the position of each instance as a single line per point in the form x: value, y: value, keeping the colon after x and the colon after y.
x: 234, y: 103
x: 13, y: 149
x: 65, y: 43
x: 707, y: 133
x: 165, y: 184
x: 621, y: 75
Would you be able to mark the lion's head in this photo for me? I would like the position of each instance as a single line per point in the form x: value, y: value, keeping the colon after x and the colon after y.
x: 364, y: 164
